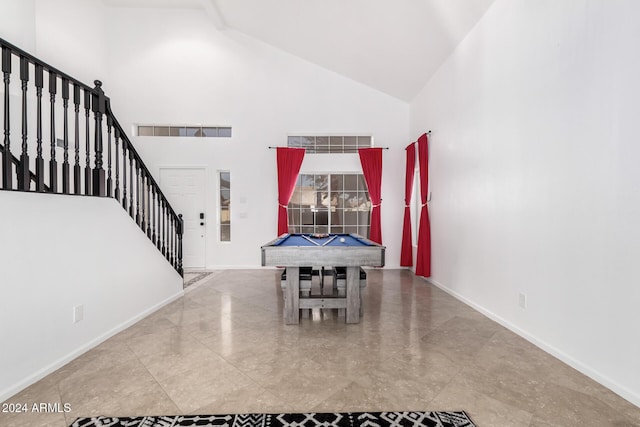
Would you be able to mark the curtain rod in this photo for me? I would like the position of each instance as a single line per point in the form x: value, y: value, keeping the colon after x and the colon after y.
x: 273, y: 148
x: 428, y: 133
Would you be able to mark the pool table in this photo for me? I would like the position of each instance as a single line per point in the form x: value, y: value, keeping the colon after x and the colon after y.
x: 345, y: 250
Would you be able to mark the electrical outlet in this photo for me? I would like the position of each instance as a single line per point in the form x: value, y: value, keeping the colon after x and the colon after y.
x: 522, y: 300
x: 78, y: 313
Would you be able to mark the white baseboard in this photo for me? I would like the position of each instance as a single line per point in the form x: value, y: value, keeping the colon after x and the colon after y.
x: 617, y: 388
x: 37, y: 376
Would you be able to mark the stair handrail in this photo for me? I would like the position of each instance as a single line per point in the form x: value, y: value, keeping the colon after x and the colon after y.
x: 34, y: 60
x: 156, y: 187
x: 96, y: 181
x: 124, y: 137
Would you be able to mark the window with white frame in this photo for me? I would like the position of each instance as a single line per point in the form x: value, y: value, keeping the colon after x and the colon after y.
x: 330, y: 203
x: 330, y: 144
x: 416, y: 204
x: 185, y: 131
x: 224, y: 212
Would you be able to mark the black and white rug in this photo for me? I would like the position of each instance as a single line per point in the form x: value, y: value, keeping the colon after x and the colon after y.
x: 344, y: 419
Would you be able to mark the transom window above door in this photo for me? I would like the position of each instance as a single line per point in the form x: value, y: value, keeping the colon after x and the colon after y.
x: 185, y: 131
x: 330, y: 203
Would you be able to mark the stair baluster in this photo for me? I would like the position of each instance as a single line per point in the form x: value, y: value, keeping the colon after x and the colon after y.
x: 131, y: 187
x: 109, y: 182
x: 53, y: 164
x: 39, y: 82
x: 87, y: 166
x: 7, y: 157
x: 65, y: 135
x: 76, y: 166
x: 164, y: 230
x: 124, y: 175
x: 116, y: 193
x: 148, y: 197
x: 170, y: 226
x: 24, y: 172
x: 153, y: 216
x: 180, y: 233
x: 137, y: 193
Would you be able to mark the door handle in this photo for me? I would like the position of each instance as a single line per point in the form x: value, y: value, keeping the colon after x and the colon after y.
x: 202, y: 223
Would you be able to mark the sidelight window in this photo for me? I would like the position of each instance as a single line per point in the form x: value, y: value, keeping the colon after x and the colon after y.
x: 224, y: 214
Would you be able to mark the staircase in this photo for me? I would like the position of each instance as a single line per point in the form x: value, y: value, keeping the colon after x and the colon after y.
x: 59, y: 148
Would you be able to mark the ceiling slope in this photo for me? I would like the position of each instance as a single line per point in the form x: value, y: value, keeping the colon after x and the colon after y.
x: 392, y: 46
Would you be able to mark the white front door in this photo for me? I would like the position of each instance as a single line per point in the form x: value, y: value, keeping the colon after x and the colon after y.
x: 185, y: 190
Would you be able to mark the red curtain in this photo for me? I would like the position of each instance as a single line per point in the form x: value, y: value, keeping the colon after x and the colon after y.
x: 289, y: 161
x: 423, y: 261
x: 406, y: 252
x: 371, y: 160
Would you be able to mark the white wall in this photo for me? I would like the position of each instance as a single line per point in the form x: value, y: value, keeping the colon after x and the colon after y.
x: 58, y: 252
x: 535, y: 178
x: 17, y: 23
x: 70, y: 36
x: 172, y: 67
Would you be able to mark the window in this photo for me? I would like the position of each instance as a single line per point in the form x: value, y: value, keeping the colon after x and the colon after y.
x: 330, y: 144
x: 416, y: 205
x: 330, y: 203
x: 185, y: 131
x: 224, y: 214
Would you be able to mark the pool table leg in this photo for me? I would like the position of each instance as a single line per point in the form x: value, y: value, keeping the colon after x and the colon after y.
x: 292, y: 299
x: 353, y: 294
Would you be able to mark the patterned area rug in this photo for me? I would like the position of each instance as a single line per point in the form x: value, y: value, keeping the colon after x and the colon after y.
x: 345, y: 419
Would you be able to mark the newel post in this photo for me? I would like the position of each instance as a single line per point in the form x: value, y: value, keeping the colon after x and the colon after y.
x: 180, y: 232
x: 99, y: 108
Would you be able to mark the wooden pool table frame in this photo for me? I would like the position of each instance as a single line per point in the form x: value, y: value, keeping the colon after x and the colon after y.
x: 294, y: 257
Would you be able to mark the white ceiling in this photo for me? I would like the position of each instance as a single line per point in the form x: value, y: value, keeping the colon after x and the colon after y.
x: 394, y: 46
x: 186, y: 4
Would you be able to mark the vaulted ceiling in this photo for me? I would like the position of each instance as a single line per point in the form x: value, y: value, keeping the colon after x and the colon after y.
x: 393, y: 46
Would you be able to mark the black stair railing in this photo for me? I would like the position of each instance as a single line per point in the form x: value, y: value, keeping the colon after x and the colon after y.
x: 105, y: 142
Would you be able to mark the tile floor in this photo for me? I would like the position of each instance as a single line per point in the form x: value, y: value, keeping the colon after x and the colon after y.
x: 223, y: 347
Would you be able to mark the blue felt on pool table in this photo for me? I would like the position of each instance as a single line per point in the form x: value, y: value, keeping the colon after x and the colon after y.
x: 298, y: 240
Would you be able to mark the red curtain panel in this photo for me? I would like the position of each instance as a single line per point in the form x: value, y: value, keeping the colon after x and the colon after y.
x: 406, y: 251
x: 289, y: 161
x: 423, y: 260
x: 371, y: 160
